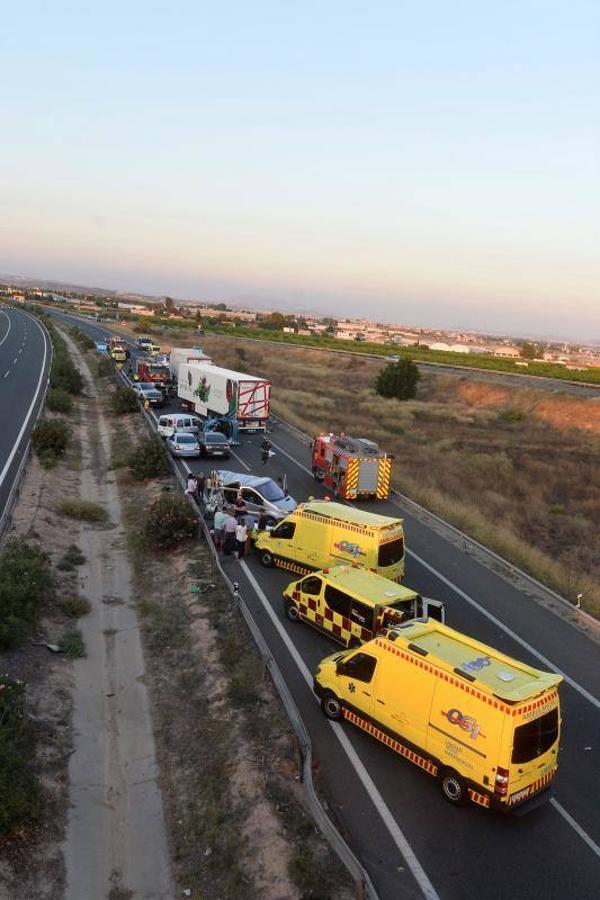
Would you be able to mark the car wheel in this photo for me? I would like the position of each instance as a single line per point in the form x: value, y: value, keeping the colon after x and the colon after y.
x: 331, y: 706
x: 266, y: 559
x: 292, y: 611
x: 454, y: 788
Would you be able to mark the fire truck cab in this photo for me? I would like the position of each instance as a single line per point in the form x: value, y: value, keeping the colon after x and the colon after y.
x: 351, y: 467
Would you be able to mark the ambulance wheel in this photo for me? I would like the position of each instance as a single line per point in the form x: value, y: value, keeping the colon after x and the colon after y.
x: 331, y: 706
x: 266, y: 559
x: 454, y: 788
x: 292, y: 611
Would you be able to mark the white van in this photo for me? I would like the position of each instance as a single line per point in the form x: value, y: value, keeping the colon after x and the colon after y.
x: 178, y: 422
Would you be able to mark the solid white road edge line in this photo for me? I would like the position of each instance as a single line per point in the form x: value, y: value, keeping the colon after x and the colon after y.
x: 4, y: 313
x: 392, y: 826
x: 17, y: 444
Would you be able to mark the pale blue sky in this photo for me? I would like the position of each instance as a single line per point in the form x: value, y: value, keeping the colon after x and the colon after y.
x: 432, y: 163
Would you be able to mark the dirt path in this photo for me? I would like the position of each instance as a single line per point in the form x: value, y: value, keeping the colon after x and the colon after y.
x: 116, y: 844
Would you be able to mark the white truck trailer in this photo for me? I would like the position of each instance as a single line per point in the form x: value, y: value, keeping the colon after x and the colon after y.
x: 186, y: 355
x: 211, y: 391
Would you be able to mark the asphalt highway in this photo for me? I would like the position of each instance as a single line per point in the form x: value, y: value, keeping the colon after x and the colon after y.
x: 24, y: 362
x: 412, y: 842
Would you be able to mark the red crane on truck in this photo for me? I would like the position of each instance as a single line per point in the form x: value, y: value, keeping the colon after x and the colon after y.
x: 351, y: 467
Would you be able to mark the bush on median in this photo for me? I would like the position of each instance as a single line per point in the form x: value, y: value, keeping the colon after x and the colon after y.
x: 19, y: 787
x: 169, y: 521
x: 59, y: 401
x: 124, y: 400
x: 149, y: 459
x: 50, y: 439
x: 25, y: 581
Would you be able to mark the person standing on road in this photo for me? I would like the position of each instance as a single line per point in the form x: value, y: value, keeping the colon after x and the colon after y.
x: 191, y: 485
x: 240, y: 509
x: 219, y: 528
x: 265, y: 450
x: 200, y: 482
x: 241, y: 536
x: 229, y: 534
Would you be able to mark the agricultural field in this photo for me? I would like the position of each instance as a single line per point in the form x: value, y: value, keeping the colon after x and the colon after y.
x: 517, y: 468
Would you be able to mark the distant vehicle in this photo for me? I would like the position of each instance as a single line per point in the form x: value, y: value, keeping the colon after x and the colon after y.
x: 393, y: 358
x: 152, y: 371
x: 260, y: 494
x: 351, y: 468
x: 183, y: 444
x: 150, y: 393
x: 119, y: 352
x: 170, y: 423
x: 213, y: 443
x: 101, y: 346
x: 144, y: 343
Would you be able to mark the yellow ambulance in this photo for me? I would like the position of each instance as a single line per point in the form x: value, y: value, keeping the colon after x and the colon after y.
x: 320, y: 534
x: 353, y: 605
x: 484, y: 724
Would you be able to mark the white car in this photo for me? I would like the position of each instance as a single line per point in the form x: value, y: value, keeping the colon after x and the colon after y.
x: 180, y: 422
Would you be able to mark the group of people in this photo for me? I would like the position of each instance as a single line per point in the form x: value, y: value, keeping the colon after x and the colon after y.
x: 195, y: 485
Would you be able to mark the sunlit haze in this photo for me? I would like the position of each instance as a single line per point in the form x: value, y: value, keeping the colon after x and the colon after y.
x: 432, y: 163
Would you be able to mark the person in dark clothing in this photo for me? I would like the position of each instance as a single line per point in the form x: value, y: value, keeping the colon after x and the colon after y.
x: 239, y: 508
x: 262, y: 521
x: 265, y: 450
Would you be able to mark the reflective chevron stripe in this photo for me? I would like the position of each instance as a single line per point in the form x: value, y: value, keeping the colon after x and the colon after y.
x: 384, y: 478
x: 420, y: 761
x: 481, y: 799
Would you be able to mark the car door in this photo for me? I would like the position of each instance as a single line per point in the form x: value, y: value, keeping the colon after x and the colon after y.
x: 282, y: 540
x: 361, y: 620
x: 253, y: 500
x: 356, y: 681
x: 230, y: 492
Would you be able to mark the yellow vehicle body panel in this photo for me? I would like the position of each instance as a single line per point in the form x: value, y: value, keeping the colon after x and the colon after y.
x: 350, y: 603
x: 448, y: 702
x: 328, y: 534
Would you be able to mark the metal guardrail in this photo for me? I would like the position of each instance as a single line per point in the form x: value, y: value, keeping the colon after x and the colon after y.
x: 365, y: 889
x: 6, y: 517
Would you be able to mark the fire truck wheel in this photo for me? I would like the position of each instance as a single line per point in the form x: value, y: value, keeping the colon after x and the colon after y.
x: 266, y: 559
x: 331, y: 706
x: 291, y: 611
x: 454, y: 787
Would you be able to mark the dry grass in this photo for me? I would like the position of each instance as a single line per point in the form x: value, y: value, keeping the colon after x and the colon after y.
x: 84, y: 510
x: 516, y: 468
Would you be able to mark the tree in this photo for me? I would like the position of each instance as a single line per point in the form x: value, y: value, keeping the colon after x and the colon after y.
x: 170, y: 306
x: 398, y: 379
x: 528, y: 350
x: 275, y: 321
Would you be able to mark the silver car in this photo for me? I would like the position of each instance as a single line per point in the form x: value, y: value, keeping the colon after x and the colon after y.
x: 183, y: 444
x: 261, y: 495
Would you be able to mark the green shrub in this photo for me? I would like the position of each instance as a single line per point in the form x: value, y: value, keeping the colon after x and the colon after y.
x: 169, y: 521
x: 124, y: 400
x: 71, y: 557
x: 398, y: 380
x: 25, y: 581
x: 84, y: 510
x: 149, y: 459
x: 513, y: 415
x: 50, y: 438
x: 19, y: 786
x: 72, y: 644
x: 85, y: 342
x: 64, y: 375
x: 59, y: 401
x: 75, y: 606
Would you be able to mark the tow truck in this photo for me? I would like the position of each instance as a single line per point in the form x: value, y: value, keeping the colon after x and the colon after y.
x: 351, y: 468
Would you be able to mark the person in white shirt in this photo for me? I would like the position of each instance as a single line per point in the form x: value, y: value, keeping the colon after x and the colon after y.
x: 241, y: 536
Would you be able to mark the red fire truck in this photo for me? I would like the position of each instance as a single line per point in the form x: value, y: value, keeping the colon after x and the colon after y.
x: 151, y: 371
x: 351, y: 467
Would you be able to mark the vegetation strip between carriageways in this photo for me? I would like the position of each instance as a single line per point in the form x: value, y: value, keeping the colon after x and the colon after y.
x: 357, y: 872
x: 586, y: 617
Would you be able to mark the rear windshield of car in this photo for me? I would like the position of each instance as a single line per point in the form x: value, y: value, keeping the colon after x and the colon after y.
x: 271, y: 491
x: 185, y: 439
x: 391, y: 553
x: 535, y: 738
x: 212, y: 438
